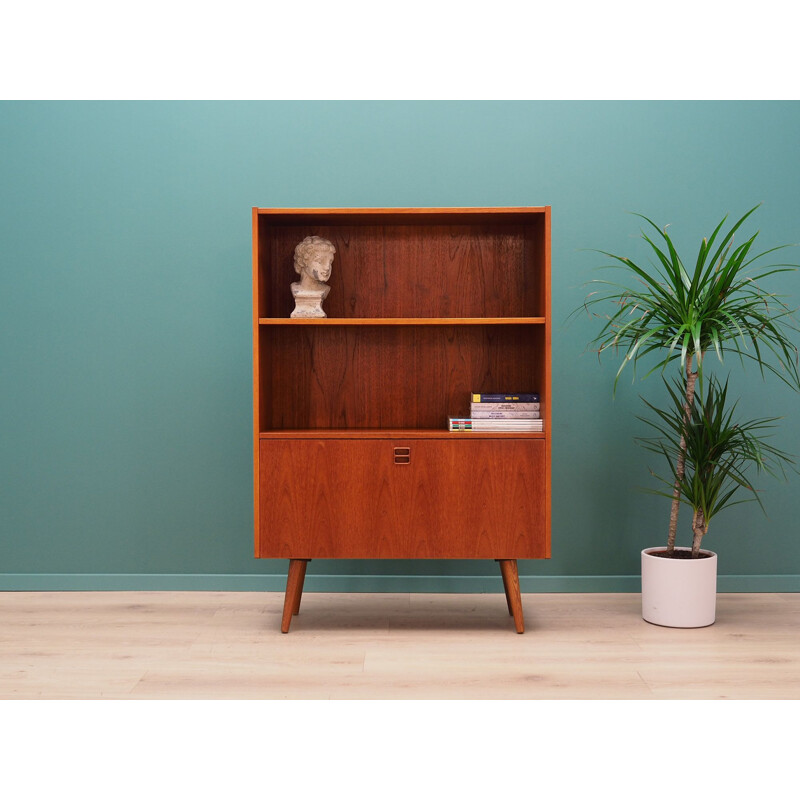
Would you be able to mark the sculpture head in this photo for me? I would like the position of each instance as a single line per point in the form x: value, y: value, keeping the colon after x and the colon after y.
x: 313, y: 257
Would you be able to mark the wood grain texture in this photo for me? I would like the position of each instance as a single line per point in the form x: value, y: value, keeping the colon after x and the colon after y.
x: 228, y: 645
x: 328, y: 321
x: 258, y: 412
x: 545, y: 378
x: 299, y: 595
x: 511, y: 583
x: 505, y: 588
x: 396, y: 433
x: 294, y: 589
x: 455, y: 499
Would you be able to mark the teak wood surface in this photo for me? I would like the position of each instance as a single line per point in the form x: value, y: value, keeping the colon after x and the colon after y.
x: 426, y: 306
x: 294, y: 591
x: 454, y: 499
x: 508, y: 568
x: 324, y: 321
x: 396, y: 433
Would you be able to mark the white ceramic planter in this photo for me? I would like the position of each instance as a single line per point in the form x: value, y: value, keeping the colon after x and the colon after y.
x: 679, y: 593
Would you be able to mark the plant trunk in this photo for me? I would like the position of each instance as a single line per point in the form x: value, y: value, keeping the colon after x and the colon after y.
x: 680, y: 466
x: 699, y: 527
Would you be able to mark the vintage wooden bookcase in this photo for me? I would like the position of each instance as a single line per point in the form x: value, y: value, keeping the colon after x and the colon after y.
x: 353, y: 458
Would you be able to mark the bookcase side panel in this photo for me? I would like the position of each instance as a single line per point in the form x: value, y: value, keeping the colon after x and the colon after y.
x: 258, y: 417
x: 547, y: 383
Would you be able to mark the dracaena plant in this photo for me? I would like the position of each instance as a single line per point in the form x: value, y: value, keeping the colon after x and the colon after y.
x: 719, y: 452
x: 674, y: 314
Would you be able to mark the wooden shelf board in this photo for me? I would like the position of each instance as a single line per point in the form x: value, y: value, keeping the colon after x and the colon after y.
x: 404, y: 321
x: 396, y: 433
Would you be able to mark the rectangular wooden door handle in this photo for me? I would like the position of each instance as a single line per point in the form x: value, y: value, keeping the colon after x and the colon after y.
x: 402, y: 455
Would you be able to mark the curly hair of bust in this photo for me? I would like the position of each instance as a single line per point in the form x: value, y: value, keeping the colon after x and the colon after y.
x: 308, y: 245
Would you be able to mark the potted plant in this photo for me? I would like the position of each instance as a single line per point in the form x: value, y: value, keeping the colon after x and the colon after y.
x: 679, y: 589
x: 672, y: 315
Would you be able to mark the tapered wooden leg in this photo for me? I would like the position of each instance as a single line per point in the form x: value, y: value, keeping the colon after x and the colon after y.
x: 303, y: 565
x: 505, y: 589
x: 508, y: 569
x: 294, y: 588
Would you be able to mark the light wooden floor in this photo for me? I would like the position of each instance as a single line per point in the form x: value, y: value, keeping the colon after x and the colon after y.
x: 376, y: 646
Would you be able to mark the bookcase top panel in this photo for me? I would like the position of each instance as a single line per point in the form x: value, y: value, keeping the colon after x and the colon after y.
x: 398, y: 216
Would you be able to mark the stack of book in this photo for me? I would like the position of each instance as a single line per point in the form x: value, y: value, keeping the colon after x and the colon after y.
x: 501, y: 412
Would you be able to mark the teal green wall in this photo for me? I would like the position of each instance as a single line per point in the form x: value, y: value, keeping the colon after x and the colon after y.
x: 125, y: 376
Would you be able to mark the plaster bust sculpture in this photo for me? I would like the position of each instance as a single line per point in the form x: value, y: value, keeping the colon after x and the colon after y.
x: 313, y: 260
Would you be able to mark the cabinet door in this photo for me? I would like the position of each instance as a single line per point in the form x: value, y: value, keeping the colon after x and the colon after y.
x: 480, y: 498
x: 331, y: 498
x: 413, y: 498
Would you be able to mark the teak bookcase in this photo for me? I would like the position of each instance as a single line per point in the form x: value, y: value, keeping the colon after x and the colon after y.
x: 353, y: 458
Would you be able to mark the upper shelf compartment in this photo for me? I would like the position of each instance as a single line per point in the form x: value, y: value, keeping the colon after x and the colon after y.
x: 460, y: 266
